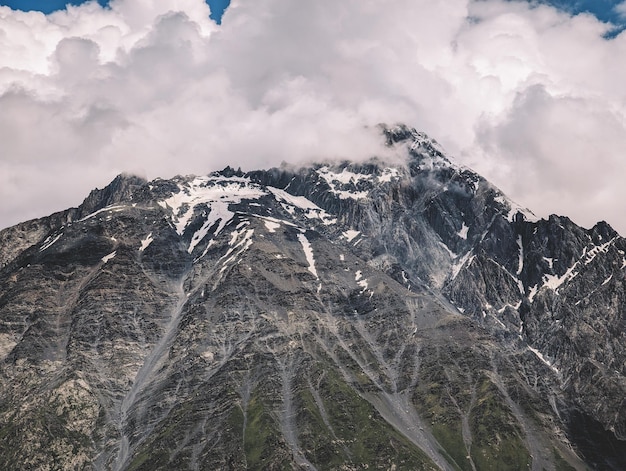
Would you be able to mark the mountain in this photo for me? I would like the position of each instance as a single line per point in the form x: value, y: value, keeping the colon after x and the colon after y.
x: 337, y: 316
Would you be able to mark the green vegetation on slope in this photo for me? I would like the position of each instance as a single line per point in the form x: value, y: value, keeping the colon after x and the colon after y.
x: 498, y: 440
x: 364, y: 437
x: 454, y: 387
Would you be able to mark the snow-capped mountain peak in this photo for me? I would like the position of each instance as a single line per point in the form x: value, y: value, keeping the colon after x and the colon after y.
x: 342, y: 315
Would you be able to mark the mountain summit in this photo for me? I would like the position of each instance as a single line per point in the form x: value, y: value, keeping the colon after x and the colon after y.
x: 337, y: 316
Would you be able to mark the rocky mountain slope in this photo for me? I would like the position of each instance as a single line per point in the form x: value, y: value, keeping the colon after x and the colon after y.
x: 338, y: 316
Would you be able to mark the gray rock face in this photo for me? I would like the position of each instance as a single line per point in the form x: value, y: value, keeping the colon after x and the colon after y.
x: 344, y: 316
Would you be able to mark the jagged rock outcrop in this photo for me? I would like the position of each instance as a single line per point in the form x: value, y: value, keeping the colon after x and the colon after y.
x: 338, y: 316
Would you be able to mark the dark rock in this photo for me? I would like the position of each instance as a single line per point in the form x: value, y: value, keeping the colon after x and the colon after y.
x: 337, y: 316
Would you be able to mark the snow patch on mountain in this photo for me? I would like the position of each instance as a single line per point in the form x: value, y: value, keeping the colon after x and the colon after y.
x: 421, y: 139
x: 114, y: 208
x: 106, y: 258
x: 554, y: 282
x: 463, y: 261
x: 514, y: 209
x: 362, y: 282
x: 344, y: 177
x: 336, y: 180
x: 539, y: 355
x: 271, y: 226
x: 447, y: 249
x: 310, y: 209
x: 350, y: 234
x: 49, y: 242
x: 599, y: 249
x: 520, y: 264
x: 237, y: 246
x: 218, y: 213
x: 463, y: 232
x: 308, y: 253
x: 389, y: 174
x: 214, y: 191
x: 146, y: 242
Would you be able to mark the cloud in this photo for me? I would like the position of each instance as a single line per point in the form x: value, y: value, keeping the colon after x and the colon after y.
x: 530, y: 96
x: 566, y: 151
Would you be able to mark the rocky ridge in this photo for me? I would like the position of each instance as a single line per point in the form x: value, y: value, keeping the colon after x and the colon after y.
x: 338, y: 316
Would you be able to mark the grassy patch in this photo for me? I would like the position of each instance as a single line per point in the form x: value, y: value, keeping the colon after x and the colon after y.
x: 433, y: 403
x: 315, y: 437
x: 263, y: 443
x: 559, y: 462
x: 498, y: 440
x: 432, y: 399
x: 259, y: 432
x: 369, y: 439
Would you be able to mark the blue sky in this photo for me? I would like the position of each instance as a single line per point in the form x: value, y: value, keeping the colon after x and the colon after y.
x: 48, y: 6
x: 603, y: 9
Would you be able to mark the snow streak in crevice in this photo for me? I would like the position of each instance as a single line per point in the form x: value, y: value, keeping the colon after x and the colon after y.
x: 146, y: 242
x: 308, y: 253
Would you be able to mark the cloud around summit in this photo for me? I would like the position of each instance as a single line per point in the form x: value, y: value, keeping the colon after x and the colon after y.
x: 529, y: 96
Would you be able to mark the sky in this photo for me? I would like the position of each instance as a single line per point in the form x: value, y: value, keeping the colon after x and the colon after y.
x: 48, y: 6
x: 529, y: 94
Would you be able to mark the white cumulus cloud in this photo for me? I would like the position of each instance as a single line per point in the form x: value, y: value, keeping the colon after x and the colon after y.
x: 531, y: 97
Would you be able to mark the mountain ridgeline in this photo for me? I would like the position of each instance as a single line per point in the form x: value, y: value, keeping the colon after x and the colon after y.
x: 338, y: 316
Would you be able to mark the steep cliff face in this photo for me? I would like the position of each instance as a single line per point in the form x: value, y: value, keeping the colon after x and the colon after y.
x: 340, y: 316
x: 548, y: 287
